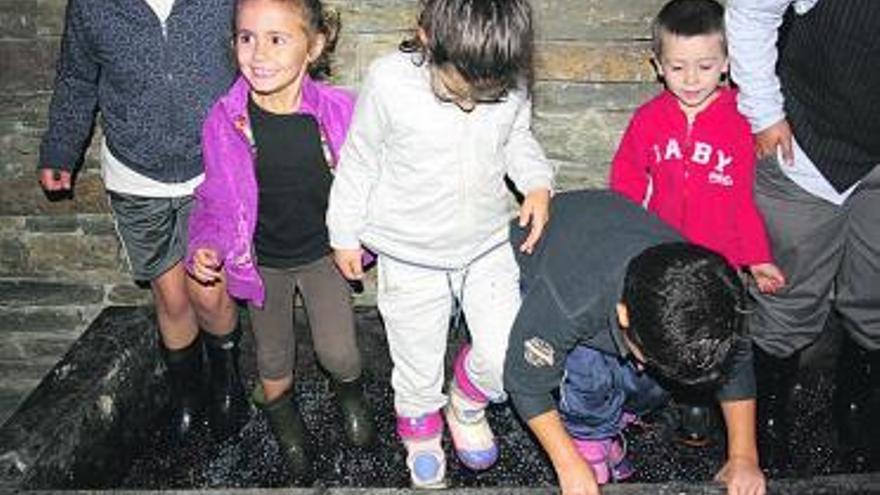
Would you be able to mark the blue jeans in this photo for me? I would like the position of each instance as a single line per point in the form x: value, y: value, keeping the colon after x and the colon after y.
x: 597, y: 388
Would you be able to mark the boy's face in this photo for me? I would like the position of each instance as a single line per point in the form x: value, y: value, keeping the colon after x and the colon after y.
x: 692, y: 67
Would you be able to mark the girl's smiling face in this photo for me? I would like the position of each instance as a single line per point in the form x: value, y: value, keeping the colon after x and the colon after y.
x: 274, y: 46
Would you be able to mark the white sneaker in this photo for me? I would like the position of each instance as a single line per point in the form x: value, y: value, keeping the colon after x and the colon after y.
x: 472, y: 437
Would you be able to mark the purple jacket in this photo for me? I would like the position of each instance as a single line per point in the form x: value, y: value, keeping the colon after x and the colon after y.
x: 225, y: 213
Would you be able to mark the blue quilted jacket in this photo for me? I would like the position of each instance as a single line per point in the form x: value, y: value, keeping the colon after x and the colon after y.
x: 152, y: 82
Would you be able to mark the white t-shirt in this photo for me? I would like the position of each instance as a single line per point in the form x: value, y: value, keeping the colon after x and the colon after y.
x: 120, y: 178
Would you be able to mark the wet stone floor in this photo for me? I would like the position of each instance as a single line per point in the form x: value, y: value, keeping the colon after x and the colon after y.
x: 252, y: 459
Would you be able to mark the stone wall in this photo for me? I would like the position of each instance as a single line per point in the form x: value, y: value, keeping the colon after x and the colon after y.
x: 60, y: 262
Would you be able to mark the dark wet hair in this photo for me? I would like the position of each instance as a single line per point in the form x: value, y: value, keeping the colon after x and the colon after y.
x: 319, y: 20
x: 686, y: 311
x: 688, y: 18
x: 489, y: 42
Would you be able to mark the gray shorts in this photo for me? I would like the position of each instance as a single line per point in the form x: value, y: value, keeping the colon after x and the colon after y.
x: 153, y: 231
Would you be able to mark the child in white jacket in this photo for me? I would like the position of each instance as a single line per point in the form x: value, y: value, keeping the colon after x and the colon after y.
x: 437, y: 127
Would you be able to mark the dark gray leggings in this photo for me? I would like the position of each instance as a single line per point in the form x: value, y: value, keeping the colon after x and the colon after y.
x: 327, y: 300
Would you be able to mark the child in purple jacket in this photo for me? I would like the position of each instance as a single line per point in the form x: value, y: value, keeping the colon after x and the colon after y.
x: 257, y: 232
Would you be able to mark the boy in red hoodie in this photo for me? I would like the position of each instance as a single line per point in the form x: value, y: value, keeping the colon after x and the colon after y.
x: 688, y: 155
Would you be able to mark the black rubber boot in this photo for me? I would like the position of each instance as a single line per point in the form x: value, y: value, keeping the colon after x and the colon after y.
x: 286, y: 424
x: 357, y: 415
x: 775, y: 378
x: 228, y: 405
x: 697, y: 424
x: 185, y: 375
x: 856, y: 406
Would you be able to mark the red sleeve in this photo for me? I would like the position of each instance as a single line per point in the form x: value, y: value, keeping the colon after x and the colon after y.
x: 629, y: 169
x: 753, y: 243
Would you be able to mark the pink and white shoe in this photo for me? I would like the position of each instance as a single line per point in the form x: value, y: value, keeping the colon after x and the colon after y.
x: 472, y: 437
x: 607, y: 457
x: 425, y: 458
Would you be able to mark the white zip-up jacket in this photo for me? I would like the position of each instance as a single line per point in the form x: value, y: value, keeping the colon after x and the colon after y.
x: 422, y: 181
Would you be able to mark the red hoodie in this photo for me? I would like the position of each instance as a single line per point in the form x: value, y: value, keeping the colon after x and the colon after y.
x: 698, y: 177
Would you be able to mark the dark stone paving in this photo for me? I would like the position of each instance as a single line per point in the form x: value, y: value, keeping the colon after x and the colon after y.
x: 146, y: 461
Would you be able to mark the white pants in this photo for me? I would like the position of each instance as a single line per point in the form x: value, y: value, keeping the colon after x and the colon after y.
x: 416, y: 305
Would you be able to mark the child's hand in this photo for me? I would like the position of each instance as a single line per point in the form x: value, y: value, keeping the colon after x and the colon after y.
x: 775, y: 139
x: 349, y: 263
x: 54, y: 180
x: 207, y: 269
x: 768, y: 277
x: 535, y: 210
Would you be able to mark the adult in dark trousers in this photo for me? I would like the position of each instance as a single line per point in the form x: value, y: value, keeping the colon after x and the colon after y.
x: 612, y: 297
x: 810, y: 92
x: 151, y: 69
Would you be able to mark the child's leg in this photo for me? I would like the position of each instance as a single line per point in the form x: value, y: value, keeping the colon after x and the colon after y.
x: 217, y: 314
x: 229, y: 409
x: 327, y: 299
x: 276, y: 348
x: 490, y: 299
x: 287, y: 426
x: 272, y: 326
x: 214, y: 307
x: 174, y: 312
x: 153, y: 236
x: 415, y: 303
x: 592, y: 397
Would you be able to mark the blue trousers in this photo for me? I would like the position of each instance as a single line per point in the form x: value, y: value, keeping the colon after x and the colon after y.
x: 597, y: 388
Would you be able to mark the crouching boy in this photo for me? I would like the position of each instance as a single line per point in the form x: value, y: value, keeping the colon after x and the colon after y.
x: 612, y: 297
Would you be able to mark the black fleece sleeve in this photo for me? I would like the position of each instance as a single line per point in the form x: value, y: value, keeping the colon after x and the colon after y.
x: 540, y: 340
x: 740, y: 383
